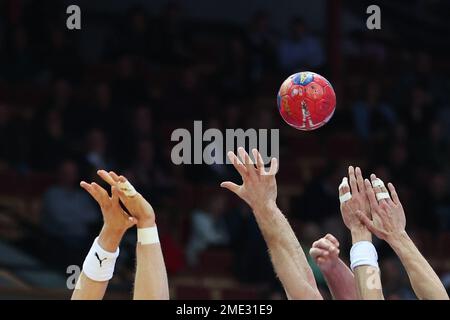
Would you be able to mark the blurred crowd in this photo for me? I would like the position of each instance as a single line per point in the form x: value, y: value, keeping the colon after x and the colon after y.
x: 109, y: 96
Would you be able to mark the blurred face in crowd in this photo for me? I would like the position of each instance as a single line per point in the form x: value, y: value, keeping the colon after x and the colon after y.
x: 399, y: 154
x: 143, y: 120
x: 62, y: 92
x: 261, y: 22
x: 145, y: 153
x: 54, y: 124
x: 298, y: 29
x: 125, y: 67
x: 390, y: 272
x: 373, y: 93
x: 311, y: 232
x: 97, y: 141
x: 20, y: 39
x: 68, y: 174
x: 4, y: 114
x: 57, y: 38
x: 438, y: 186
x: 216, y: 204
x: 139, y: 22
x: 103, y: 95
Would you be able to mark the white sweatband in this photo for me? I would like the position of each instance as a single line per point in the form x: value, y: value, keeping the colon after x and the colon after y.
x: 363, y: 253
x: 148, y: 235
x: 345, y: 197
x: 127, y: 188
x: 99, y: 263
x: 382, y: 195
x: 377, y: 183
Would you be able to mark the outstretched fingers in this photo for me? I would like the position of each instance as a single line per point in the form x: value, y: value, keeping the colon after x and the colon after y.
x: 259, y: 162
x: 106, y: 177
x: 371, y: 195
x: 233, y: 187
x: 237, y: 164
x: 359, y: 179
x: 394, y: 194
x: 352, y: 179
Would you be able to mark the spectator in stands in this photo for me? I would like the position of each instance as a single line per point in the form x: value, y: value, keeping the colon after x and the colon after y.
x: 96, y: 154
x: 437, y: 204
x: 147, y: 175
x: 51, y: 142
x: 68, y: 216
x: 371, y: 115
x: 207, y: 227
x: 262, y: 46
x: 301, y: 50
x: 395, y: 281
x: 251, y: 260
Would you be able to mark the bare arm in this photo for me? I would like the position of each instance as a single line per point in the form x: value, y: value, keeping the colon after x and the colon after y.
x: 151, y: 277
x: 339, y: 277
x: 388, y: 223
x: 287, y: 255
x: 368, y: 282
x: 367, y: 278
x: 424, y: 281
x: 259, y: 190
x: 116, y: 222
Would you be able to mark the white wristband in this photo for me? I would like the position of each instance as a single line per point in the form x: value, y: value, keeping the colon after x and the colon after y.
x: 99, y: 263
x: 363, y: 253
x: 148, y: 235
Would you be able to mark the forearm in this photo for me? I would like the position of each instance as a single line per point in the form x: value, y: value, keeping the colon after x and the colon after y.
x: 424, y: 281
x: 367, y: 277
x: 151, y: 277
x: 341, y: 281
x: 287, y: 255
x: 88, y: 289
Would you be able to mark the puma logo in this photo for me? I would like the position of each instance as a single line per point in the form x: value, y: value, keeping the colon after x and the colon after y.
x: 100, y: 260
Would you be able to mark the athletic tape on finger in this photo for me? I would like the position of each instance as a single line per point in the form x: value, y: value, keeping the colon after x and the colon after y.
x: 127, y: 188
x: 344, y: 183
x: 345, y: 197
x: 383, y: 195
x: 377, y: 183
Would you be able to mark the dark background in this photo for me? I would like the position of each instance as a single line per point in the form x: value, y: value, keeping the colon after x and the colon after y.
x: 110, y: 95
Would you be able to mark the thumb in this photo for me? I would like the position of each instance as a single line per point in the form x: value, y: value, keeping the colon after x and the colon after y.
x: 233, y: 187
x: 131, y: 221
x: 366, y: 221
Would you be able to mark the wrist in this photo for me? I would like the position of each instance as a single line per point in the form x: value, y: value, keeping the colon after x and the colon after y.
x: 146, y: 223
x: 109, y: 239
x: 264, y: 206
x: 360, y: 234
x: 397, y: 239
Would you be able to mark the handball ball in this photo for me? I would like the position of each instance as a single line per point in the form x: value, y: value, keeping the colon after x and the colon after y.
x: 306, y: 100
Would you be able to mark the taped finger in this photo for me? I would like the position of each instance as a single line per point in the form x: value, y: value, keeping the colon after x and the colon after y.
x: 127, y: 188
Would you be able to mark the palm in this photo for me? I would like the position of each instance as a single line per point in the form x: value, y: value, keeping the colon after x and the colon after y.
x: 358, y: 201
x: 259, y: 186
x: 114, y: 217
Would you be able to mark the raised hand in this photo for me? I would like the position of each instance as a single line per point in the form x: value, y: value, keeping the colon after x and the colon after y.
x: 138, y: 207
x: 259, y: 187
x: 388, y: 216
x: 354, y: 202
x: 325, y: 252
x: 115, y: 220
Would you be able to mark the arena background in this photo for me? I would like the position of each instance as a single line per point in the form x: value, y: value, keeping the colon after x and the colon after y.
x: 109, y: 96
